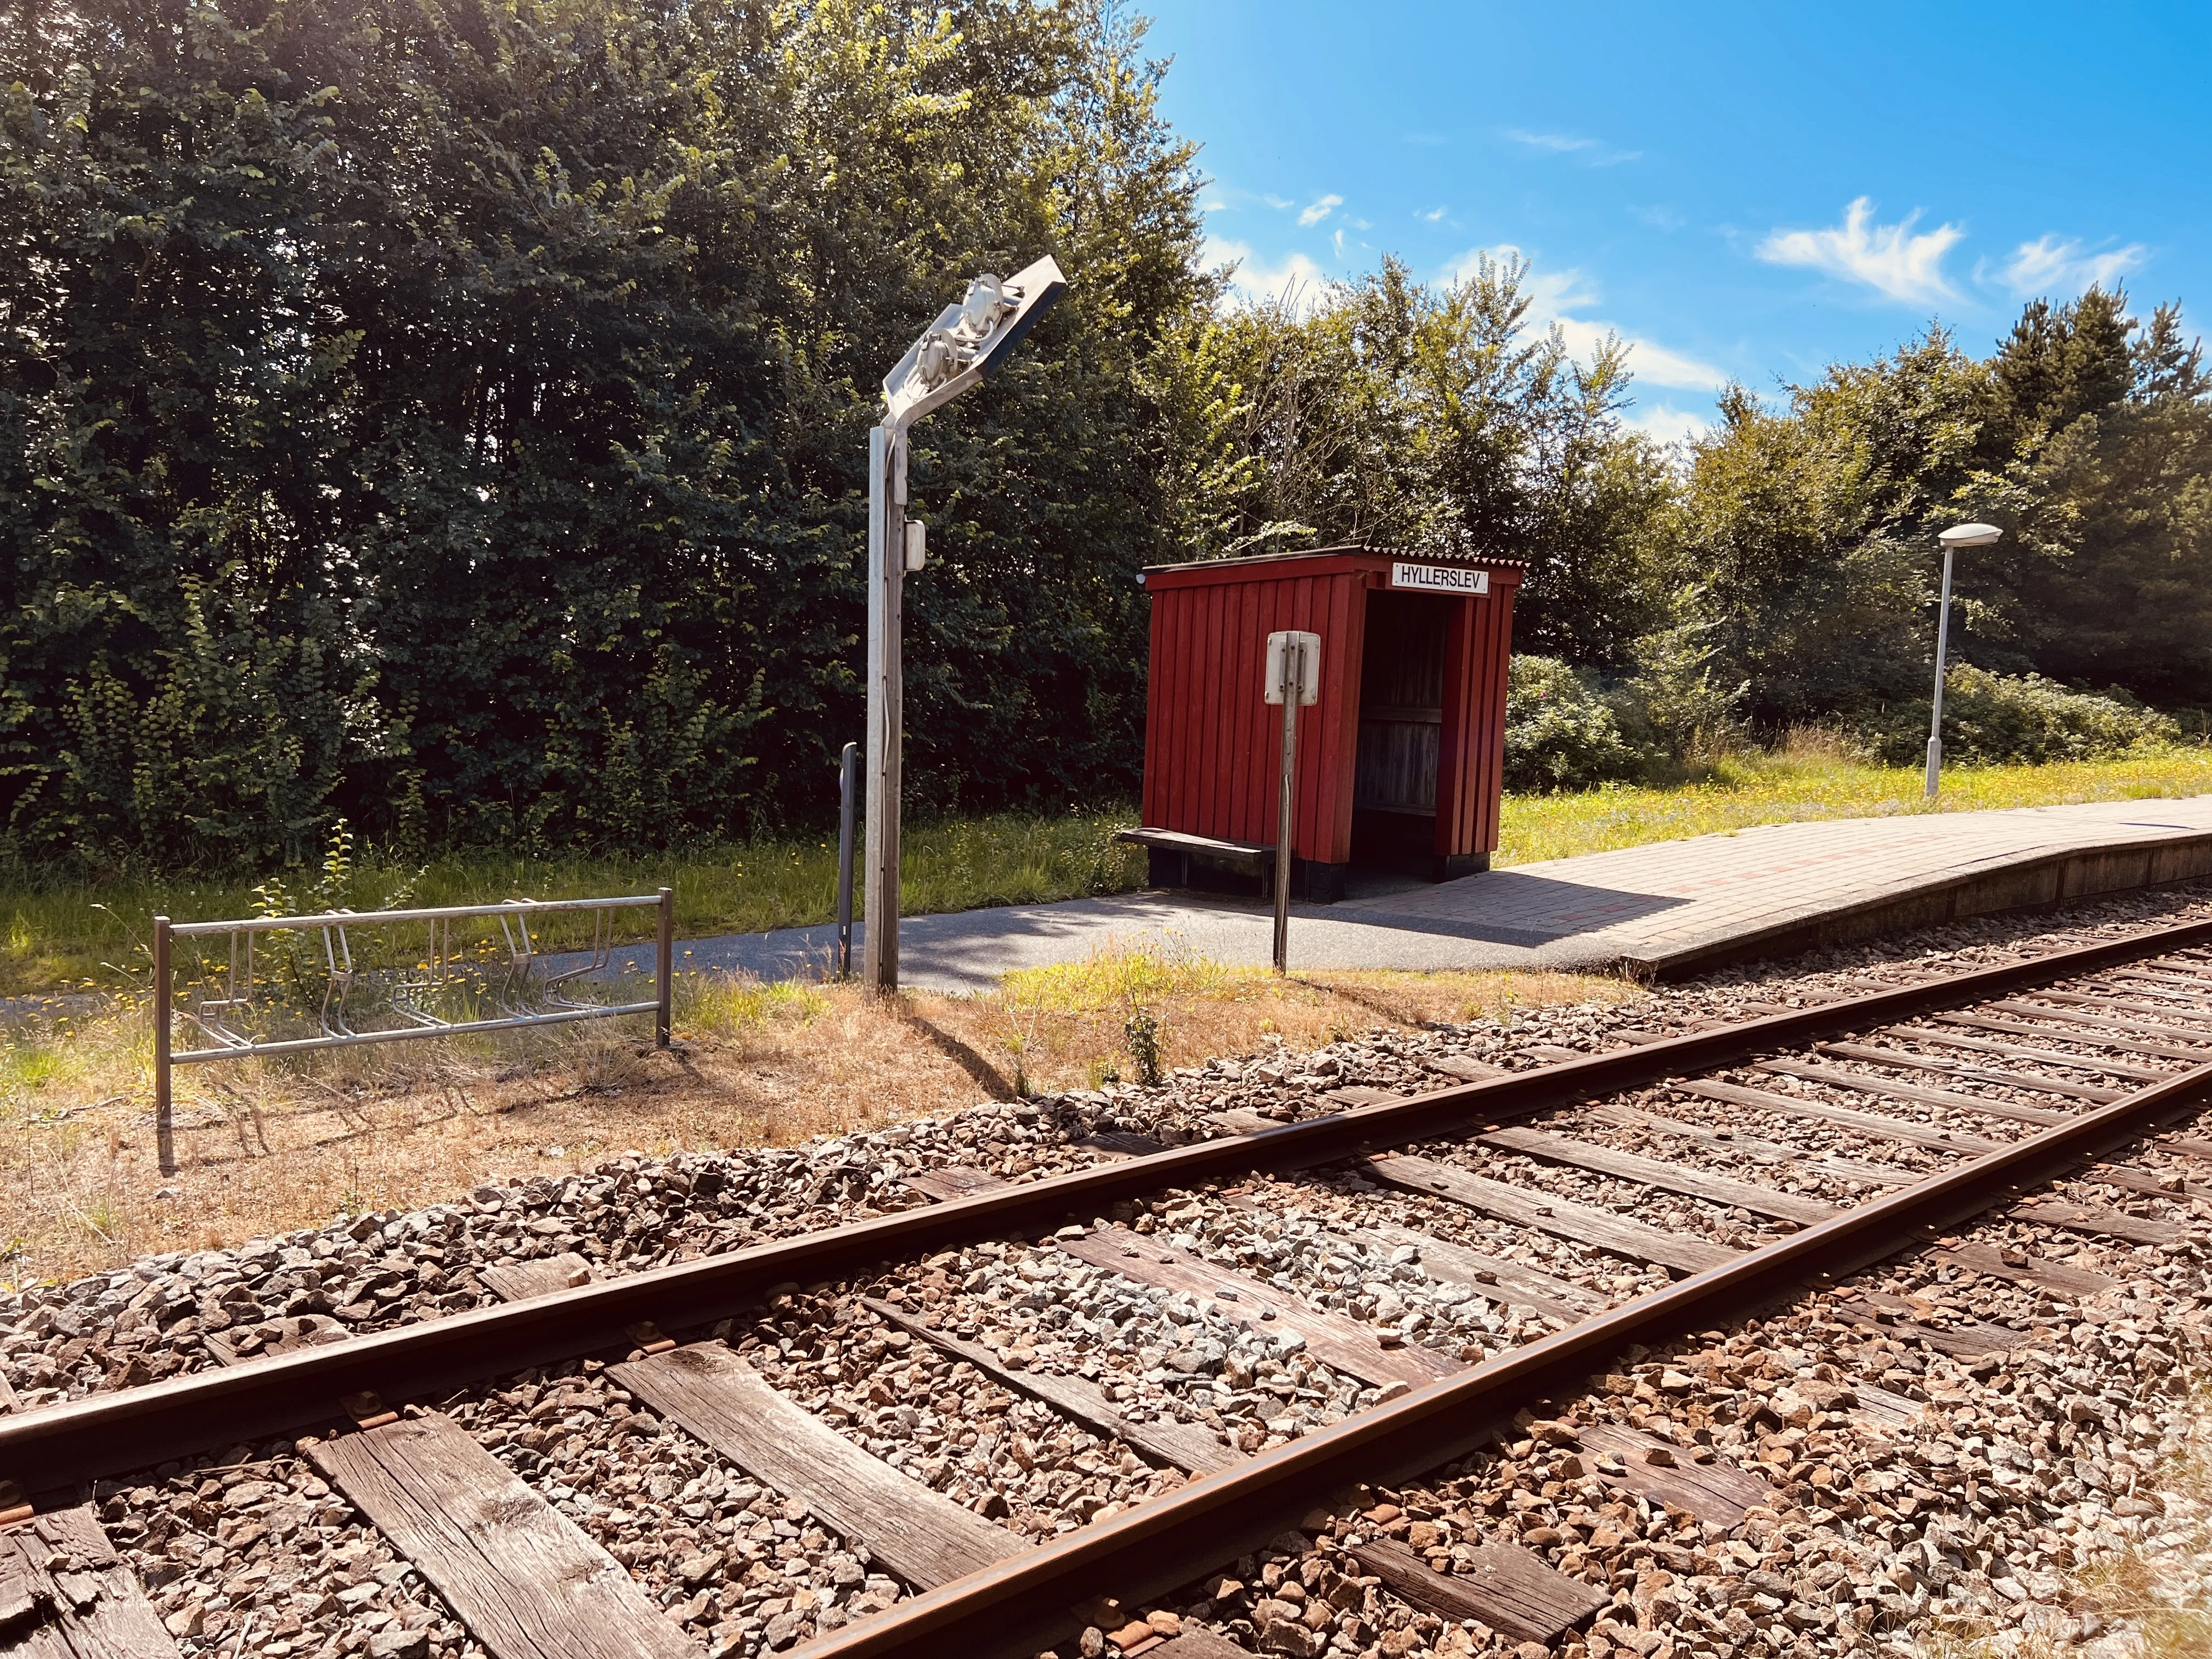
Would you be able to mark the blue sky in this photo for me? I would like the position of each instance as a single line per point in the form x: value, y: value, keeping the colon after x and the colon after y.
x: 1744, y: 192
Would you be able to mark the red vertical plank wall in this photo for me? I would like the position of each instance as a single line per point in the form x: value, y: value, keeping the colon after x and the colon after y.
x: 1214, y: 744
x: 1326, y: 605
x: 1259, y: 612
x: 1246, y: 611
x: 1162, y: 702
x: 1199, y: 729
x: 1471, y: 761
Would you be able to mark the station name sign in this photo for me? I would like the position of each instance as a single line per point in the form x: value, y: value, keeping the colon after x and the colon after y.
x: 1437, y: 578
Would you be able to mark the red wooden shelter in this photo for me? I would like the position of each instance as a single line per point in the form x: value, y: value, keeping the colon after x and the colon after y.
x: 1399, y: 761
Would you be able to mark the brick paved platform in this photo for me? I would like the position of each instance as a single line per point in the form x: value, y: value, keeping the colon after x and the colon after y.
x: 1670, y: 906
x: 1664, y: 909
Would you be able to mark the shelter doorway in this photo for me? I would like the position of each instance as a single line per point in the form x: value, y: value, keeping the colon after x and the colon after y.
x: 1400, y: 742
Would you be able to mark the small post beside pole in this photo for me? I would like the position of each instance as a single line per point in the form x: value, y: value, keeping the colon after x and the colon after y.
x: 848, y: 790
x: 165, y: 1133
x: 663, y: 1018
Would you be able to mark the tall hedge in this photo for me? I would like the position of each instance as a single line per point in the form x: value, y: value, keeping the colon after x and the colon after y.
x: 450, y: 413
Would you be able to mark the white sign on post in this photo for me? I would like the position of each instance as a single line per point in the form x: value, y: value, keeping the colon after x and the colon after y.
x: 1406, y: 575
x: 1307, y: 667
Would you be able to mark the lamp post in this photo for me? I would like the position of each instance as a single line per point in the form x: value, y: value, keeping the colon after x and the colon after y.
x: 1958, y: 536
x: 967, y: 342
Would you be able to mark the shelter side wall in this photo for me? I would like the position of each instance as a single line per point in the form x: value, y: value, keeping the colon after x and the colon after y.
x: 1214, y: 746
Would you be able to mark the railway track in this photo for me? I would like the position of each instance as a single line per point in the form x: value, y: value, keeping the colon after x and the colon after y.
x: 1408, y: 1274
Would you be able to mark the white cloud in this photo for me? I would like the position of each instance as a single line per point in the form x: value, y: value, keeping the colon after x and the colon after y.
x: 1594, y: 153
x: 1553, y: 298
x: 1652, y: 363
x: 1434, y: 213
x: 1278, y: 203
x: 1664, y: 423
x: 2059, y: 264
x: 1559, y: 143
x: 1888, y: 258
x: 1294, y: 277
x: 1319, y: 209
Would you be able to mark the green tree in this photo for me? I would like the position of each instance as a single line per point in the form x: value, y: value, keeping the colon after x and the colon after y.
x: 1426, y: 419
x: 1806, y: 530
x: 454, y: 410
x: 2098, y: 455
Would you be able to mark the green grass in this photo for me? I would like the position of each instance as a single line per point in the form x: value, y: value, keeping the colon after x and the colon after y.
x: 1117, y: 976
x: 725, y: 1005
x: 58, y: 933
x: 1784, y: 789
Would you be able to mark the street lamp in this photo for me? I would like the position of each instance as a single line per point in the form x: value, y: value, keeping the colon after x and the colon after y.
x: 967, y: 342
x: 1958, y: 536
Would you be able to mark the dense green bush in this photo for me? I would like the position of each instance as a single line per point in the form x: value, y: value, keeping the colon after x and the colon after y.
x: 1561, y: 732
x: 451, y: 414
x: 1996, y: 719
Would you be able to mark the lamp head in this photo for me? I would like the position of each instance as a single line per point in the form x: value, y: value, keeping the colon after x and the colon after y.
x: 969, y: 340
x: 1970, y: 535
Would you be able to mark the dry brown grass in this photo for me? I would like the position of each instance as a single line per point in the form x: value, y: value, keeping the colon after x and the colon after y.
x: 266, y: 1146
x: 2144, y: 1592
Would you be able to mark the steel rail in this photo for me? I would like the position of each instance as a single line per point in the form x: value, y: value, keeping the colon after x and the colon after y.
x: 381, y: 917
x: 1023, y: 1605
x: 112, y: 1432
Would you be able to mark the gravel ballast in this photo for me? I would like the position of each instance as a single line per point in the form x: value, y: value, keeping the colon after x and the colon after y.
x: 2016, y: 1474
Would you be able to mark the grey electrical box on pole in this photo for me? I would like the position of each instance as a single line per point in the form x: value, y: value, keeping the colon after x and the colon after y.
x: 966, y: 343
x: 1292, y: 679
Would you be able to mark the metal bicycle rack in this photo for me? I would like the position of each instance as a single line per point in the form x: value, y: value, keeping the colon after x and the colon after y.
x: 352, y: 995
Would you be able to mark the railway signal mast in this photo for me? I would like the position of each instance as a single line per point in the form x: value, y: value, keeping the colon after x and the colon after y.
x: 965, y: 344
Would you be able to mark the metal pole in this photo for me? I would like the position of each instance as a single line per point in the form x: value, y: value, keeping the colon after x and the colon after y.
x: 1287, y: 806
x: 165, y: 1133
x: 848, y: 789
x: 886, y: 567
x: 1942, y: 644
x: 666, y: 987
